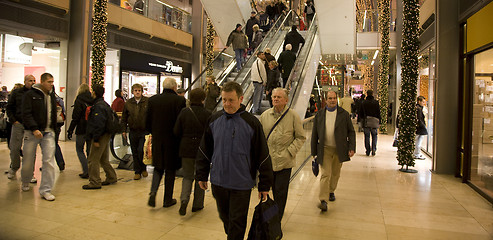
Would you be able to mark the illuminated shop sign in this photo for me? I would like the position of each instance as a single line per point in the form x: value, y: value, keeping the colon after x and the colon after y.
x: 18, y: 49
x: 168, y: 67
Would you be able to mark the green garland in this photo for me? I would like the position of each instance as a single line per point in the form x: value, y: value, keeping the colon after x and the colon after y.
x: 209, y: 43
x: 383, y: 73
x: 368, y: 82
x: 99, y: 30
x: 407, y: 110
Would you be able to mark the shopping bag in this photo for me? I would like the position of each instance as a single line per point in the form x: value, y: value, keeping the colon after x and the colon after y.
x: 266, y: 224
x: 148, y: 150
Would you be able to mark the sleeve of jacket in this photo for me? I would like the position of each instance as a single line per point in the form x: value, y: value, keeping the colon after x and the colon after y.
x: 351, y: 133
x: 78, y: 113
x: 230, y: 39
x: 314, y: 141
x: 215, y: 91
x: 261, y: 159
x: 149, y: 116
x: 204, y: 155
x: 27, y: 112
x: 299, y: 136
x: 178, y: 128
x: 97, y: 122
x: 11, y: 107
x: 125, y: 116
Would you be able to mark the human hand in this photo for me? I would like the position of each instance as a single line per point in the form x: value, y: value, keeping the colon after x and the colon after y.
x: 203, y: 185
x: 263, y: 195
x: 69, y: 135
x: 37, y: 134
x: 351, y: 153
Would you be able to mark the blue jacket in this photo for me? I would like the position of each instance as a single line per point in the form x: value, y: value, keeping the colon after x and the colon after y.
x: 232, y: 150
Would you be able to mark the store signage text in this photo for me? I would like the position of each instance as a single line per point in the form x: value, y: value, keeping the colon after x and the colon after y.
x: 169, y: 67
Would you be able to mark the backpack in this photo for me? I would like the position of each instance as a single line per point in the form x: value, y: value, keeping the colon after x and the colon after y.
x: 113, y: 125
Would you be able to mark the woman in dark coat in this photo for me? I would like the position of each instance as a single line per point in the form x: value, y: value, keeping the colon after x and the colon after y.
x: 79, y: 123
x: 273, y: 77
x: 189, y: 127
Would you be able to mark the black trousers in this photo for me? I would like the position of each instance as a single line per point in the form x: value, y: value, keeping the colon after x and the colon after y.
x: 280, y: 189
x: 232, y: 206
x: 169, y: 183
x: 137, y: 140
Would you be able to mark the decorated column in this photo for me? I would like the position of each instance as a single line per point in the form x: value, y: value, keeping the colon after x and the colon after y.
x: 407, y: 110
x: 383, y: 73
x: 209, y: 42
x: 99, y: 30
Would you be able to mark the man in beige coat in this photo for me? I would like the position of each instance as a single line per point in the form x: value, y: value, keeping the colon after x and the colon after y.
x: 284, y: 141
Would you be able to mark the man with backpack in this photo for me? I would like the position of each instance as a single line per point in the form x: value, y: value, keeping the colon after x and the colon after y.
x: 100, y: 127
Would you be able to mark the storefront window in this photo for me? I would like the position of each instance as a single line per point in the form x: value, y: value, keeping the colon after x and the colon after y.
x: 170, y: 12
x: 147, y: 80
x: 482, y: 134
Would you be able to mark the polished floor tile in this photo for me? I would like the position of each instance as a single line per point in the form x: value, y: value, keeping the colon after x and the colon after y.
x: 374, y: 201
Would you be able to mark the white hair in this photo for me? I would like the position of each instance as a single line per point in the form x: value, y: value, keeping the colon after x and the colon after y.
x: 169, y: 83
x: 289, y: 47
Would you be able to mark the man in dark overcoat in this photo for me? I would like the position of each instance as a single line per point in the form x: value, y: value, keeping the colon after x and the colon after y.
x: 162, y: 112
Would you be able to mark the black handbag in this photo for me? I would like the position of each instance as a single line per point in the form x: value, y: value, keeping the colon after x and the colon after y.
x: 266, y: 224
x: 315, y: 168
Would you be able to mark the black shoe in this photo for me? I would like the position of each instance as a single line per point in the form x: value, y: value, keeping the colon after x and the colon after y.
x: 169, y: 204
x: 323, y: 206
x: 84, y: 175
x: 152, y: 199
x: 196, y: 209
x: 373, y: 153
x: 183, y: 208
x: 88, y: 187
x: 332, y: 197
x: 106, y: 183
x: 367, y: 153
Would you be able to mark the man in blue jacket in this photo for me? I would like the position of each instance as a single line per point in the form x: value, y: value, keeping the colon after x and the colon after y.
x: 39, y: 120
x: 232, y: 150
x: 99, y: 136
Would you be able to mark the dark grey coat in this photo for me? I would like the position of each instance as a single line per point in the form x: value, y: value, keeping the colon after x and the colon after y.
x: 344, y: 134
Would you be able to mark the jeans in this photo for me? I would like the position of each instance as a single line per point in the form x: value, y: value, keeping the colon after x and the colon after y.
x: 280, y: 189
x: 374, y: 133
x: 417, y: 147
x: 137, y: 140
x: 169, y: 183
x: 80, y: 140
x: 47, y: 144
x: 15, y: 146
x: 232, y: 206
x: 239, y: 58
x: 258, y: 92
x: 58, y: 151
x: 188, y: 178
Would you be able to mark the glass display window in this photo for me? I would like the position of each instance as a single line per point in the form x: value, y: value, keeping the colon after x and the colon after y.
x: 481, y: 173
x: 147, y: 80
x: 426, y: 88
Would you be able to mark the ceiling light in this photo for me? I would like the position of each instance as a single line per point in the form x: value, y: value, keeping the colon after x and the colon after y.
x: 372, y: 62
x: 375, y: 55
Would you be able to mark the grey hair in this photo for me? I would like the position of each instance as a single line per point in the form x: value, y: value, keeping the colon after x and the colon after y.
x: 289, y: 47
x: 169, y: 83
x: 284, y: 90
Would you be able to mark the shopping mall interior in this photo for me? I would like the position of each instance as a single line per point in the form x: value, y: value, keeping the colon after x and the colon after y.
x: 349, y: 47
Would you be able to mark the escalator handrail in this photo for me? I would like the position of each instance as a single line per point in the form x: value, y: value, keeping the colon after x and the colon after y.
x: 304, y: 62
x: 203, y: 71
x: 258, y: 48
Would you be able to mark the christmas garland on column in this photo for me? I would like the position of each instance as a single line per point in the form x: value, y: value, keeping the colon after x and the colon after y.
x: 209, y: 42
x: 407, y: 110
x: 368, y: 82
x: 99, y: 31
x: 383, y: 73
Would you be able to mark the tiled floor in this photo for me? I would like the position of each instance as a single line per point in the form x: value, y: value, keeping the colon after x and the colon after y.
x: 374, y: 201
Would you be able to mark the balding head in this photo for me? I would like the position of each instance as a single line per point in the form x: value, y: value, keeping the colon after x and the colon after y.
x: 170, y: 83
x: 289, y: 47
x: 29, y: 81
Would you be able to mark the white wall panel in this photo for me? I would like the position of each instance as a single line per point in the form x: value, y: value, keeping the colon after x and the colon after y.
x: 337, y: 26
x: 224, y: 14
x: 245, y: 8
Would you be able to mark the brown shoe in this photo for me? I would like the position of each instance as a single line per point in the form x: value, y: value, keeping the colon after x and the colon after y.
x: 137, y: 177
x: 145, y: 174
